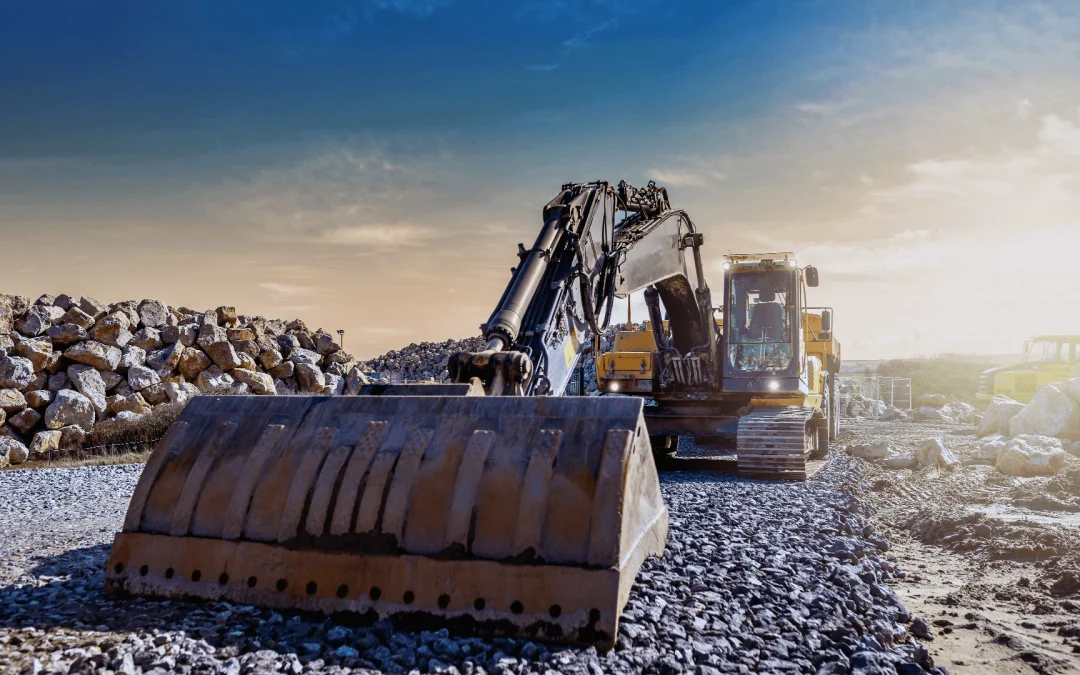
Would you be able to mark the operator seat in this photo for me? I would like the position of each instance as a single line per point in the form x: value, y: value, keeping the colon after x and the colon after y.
x: 767, y: 319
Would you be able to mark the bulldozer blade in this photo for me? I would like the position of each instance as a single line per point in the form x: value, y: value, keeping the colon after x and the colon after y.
x: 525, y: 516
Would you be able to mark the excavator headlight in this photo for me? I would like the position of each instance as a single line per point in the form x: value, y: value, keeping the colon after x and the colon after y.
x: 727, y: 266
x: 613, y: 386
x: 774, y: 385
x: 791, y: 262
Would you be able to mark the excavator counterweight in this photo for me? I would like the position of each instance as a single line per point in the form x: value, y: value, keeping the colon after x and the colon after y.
x: 518, y: 515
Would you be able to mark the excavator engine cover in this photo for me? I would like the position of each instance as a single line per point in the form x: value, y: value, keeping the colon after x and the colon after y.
x: 525, y: 516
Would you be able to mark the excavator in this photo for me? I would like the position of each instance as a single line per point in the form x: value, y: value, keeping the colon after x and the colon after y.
x: 494, y: 503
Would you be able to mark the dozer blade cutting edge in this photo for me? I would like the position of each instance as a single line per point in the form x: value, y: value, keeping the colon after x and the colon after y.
x: 525, y: 516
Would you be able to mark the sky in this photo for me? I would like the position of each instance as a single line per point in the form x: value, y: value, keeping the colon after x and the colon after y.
x: 370, y: 165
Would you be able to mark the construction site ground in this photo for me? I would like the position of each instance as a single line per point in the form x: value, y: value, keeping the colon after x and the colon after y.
x: 759, y: 576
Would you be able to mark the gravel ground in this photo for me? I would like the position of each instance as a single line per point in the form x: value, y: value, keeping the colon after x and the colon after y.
x: 758, y: 577
x: 995, y: 559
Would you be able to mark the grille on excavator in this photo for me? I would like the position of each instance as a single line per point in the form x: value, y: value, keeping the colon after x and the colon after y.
x: 509, y: 515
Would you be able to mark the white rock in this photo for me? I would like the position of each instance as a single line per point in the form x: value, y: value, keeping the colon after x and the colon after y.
x: 15, y: 372
x: 995, y: 419
x: 165, y: 360
x: 1051, y: 413
x: 92, y: 353
x: 45, y: 443
x: 335, y: 384
x: 932, y: 452
x: 932, y: 401
x: 1030, y: 455
x: 12, y: 401
x: 152, y: 313
x: 930, y: 414
x: 141, y: 377
x: 181, y: 392
x: 213, y: 378
x: 305, y: 356
x: 12, y: 451
x: 990, y: 447
x: 70, y: 409
x: 132, y: 356
x: 260, y: 383
x: 89, y: 383
x: 224, y: 355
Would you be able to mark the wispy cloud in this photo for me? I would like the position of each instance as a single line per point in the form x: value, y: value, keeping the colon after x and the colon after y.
x: 382, y: 235
x: 542, y: 68
x: 347, y: 191
x: 581, y: 40
x: 694, y: 172
x: 286, y: 289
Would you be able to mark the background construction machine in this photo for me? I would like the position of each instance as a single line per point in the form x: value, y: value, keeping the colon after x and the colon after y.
x: 769, y: 385
x: 493, y: 503
x: 1046, y: 359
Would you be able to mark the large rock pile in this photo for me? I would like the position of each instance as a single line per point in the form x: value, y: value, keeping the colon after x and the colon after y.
x: 420, y: 362
x: 68, y: 364
x: 1032, y: 439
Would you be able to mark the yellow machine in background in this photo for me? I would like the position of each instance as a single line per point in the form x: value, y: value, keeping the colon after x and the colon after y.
x: 1046, y: 359
x: 776, y: 391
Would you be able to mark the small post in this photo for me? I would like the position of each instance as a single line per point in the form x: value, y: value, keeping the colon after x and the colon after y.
x: 341, y: 338
x: 629, y: 320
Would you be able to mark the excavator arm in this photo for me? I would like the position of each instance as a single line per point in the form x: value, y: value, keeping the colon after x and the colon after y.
x: 511, y: 513
x: 597, y: 242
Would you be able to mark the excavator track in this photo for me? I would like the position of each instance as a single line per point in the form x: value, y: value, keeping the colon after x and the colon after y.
x: 776, y: 443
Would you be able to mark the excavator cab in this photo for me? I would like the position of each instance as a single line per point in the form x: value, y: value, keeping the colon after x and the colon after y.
x: 762, y: 315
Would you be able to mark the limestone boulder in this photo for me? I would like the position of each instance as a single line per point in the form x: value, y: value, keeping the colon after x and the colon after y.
x: 141, y: 377
x: 213, y: 378
x: 93, y: 307
x: 310, y: 377
x: 335, y: 384
x: 67, y: 334
x: 36, y: 320
x: 270, y: 358
x: 59, y: 381
x: 224, y: 355
x: 325, y: 343
x: 1051, y: 412
x: 305, y: 356
x: 283, y: 370
x: 72, y: 437
x: 152, y: 314
x: 134, y: 403
x: 287, y: 343
x: 210, y: 334
x: 243, y: 334
x: 89, y: 383
x: 12, y: 401
x: 15, y: 372
x: 45, y: 444
x: 37, y: 350
x: 96, y: 354
x: 932, y: 414
x: 932, y: 452
x: 193, y: 362
x: 339, y: 369
x: 933, y: 401
x: 39, y: 398
x: 996, y: 417
x: 77, y: 317
x: 12, y: 451
x: 24, y: 420
x: 70, y: 408
x: 226, y: 316
x: 147, y: 339
x: 111, y: 379
x: 166, y: 359
x: 181, y: 392
x: 112, y: 330
x: 260, y: 383
x: 354, y: 380
x: 132, y: 356
x: 1031, y: 455
x: 872, y: 451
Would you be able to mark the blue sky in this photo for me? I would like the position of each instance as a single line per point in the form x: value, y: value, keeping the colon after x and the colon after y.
x: 371, y: 163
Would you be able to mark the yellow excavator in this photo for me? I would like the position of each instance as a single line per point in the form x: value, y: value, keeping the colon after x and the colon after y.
x: 774, y: 389
x: 494, y: 503
x: 1046, y: 359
